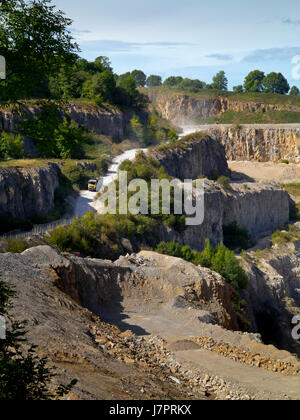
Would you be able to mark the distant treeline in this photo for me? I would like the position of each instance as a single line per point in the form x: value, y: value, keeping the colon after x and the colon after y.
x: 255, y: 81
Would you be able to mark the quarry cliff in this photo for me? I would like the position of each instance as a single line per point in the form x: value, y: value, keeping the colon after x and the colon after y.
x: 180, y: 107
x: 100, y: 120
x: 259, y: 142
x: 26, y: 193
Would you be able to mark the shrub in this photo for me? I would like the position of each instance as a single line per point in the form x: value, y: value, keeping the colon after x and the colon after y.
x: 16, y: 246
x: 23, y: 374
x: 235, y: 237
x: 99, y: 235
x: 224, y: 182
x: 285, y: 161
x: 102, y: 165
x: 219, y: 259
x: 72, y: 172
x: 11, y: 146
x: 54, y: 135
x: 280, y: 238
x: 172, y: 136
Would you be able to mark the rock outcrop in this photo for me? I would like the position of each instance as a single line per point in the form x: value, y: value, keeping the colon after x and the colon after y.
x: 107, y: 121
x: 261, y: 143
x: 26, y: 193
x: 272, y: 296
x: 180, y: 108
x: 193, y: 156
x: 108, y: 364
x: 256, y: 207
x: 145, y: 284
x: 115, y: 364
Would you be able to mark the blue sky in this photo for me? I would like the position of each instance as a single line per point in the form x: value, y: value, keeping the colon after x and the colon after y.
x: 192, y: 38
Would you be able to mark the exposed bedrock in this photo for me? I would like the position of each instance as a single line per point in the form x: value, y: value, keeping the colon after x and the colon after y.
x: 256, y: 207
x: 180, y: 108
x: 107, y: 121
x: 28, y: 192
x: 260, y: 142
x: 201, y: 155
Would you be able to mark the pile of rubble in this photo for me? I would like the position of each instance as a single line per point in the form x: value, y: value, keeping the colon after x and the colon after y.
x: 151, y: 354
x: 239, y: 355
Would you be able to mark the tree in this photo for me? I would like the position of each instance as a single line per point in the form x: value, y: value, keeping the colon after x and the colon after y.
x: 139, y: 78
x: 69, y: 138
x: 276, y: 83
x: 100, y: 87
x: 53, y: 135
x: 154, y: 81
x: 35, y: 40
x: 173, y: 81
x: 220, y: 81
x: 137, y: 128
x: 238, y: 89
x: 67, y: 83
x: 102, y: 63
x: 253, y: 82
x: 11, y: 146
x: 172, y: 136
x: 294, y: 91
x: 191, y: 85
x: 23, y: 374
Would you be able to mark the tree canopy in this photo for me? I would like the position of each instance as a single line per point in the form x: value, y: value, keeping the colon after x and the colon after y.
x: 294, y: 91
x: 276, y: 83
x: 254, y: 81
x: 220, y: 81
x: 154, y: 81
x: 139, y: 77
x: 35, y: 40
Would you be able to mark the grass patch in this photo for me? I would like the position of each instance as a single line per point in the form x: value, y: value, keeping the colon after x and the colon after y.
x: 16, y: 246
x: 283, y: 237
x: 268, y: 117
x: 292, y: 189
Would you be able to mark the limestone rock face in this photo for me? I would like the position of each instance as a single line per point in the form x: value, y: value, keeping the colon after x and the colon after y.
x: 201, y: 156
x: 258, y: 142
x: 256, y: 207
x: 144, y: 283
x: 261, y: 143
x: 28, y: 192
x: 110, y: 122
x: 272, y: 296
x: 180, y: 108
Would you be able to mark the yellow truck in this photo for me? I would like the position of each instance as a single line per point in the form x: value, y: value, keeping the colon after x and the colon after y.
x: 92, y: 185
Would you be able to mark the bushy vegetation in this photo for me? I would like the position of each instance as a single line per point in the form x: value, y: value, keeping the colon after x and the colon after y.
x: 219, y: 259
x: 55, y: 136
x: 224, y: 181
x: 182, y: 144
x: 23, y: 374
x: 11, y: 146
x: 148, y: 168
x: 248, y: 117
x: 16, y: 246
x: 155, y: 130
x: 282, y: 237
x: 99, y: 236
x: 235, y: 237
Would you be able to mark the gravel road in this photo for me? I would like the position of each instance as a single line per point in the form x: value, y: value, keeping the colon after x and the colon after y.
x: 85, y: 201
